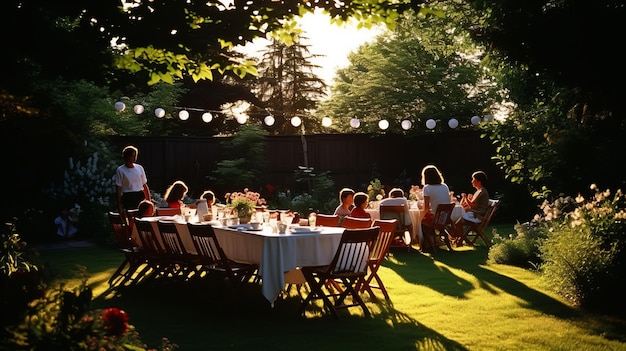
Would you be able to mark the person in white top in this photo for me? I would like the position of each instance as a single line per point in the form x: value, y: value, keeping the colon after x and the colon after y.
x: 435, y: 189
x: 131, y: 183
x: 396, y: 197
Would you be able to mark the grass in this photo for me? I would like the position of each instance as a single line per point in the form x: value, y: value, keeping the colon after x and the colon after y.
x: 440, y: 301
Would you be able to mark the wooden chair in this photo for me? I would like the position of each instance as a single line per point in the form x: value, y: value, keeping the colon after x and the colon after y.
x: 349, y: 266
x: 182, y: 262
x: 472, y: 231
x: 153, y: 251
x: 212, y: 258
x: 327, y: 220
x: 441, y: 227
x: 128, y: 270
x: 354, y: 222
x: 377, y: 255
x: 400, y: 237
x: 167, y: 211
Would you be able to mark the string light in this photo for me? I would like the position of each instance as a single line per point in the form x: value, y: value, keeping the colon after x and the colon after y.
x: 159, y: 112
x: 269, y: 120
x: 406, y: 124
x: 431, y: 124
x: 183, y: 115
x: 475, y: 120
x: 355, y: 123
x: 119, y: 106
x: 296, y: 121
x: 138, y: 109
x: 383, y: 124
x: 207, y: 117
x: 453, y: 123
x: 326, y: 121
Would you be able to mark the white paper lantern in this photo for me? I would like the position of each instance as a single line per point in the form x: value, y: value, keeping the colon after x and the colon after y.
x: 241, y: 119
x: 487, y: 118
x: 207, y: 117
x: 406, y: 124
x: 159, y: 112
x: 355, y: 123
x: 475, y: 120
x: 383, y: 124
x: 183, y: 115
x: 269, y: 120
x: 431, y: 124
x: 326, y: 121
x: 453, y: 123
x: 138, y: 109
x: 296, y: 121
x: 119, y: 106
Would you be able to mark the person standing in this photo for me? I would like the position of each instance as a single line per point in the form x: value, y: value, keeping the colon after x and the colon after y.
x: 131, y: 183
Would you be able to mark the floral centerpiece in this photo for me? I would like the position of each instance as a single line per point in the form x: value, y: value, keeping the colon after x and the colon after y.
x: 416, y: 193
x: 244, y: 203
x: 375, y: 190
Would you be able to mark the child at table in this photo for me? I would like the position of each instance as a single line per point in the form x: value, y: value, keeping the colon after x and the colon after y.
x: 361, y: 201
x: 346, y: 203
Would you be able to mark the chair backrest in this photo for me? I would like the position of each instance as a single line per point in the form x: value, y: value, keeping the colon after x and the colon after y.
x: 207, y: 247
x: 354, y: 222
x: 353, y: 252
x: 491, y: 209
x: 442, y: 218
x: 394, y: 212
x: 170, y: 237
x: 167, y: 211
x: 327, y: 220
x: 149, y: 241
x: 386, y: 235
x: 121, y: 230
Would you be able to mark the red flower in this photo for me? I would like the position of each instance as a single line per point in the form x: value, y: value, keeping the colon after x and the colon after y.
x: 115, y: 321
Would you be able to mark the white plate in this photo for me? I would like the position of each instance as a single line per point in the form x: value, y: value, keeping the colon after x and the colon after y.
x: 302, y: 229
x: 308, y: 231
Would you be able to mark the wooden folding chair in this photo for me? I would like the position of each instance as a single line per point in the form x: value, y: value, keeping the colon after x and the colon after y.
x: 400, y: 237
x: 128, y: 270
x: 167, y: 211
x: 377, y: 255
x: 354, y: 222
x: 441, y: 227
x: 212, y: 258
x: 472, y: 231
x: 327, y: 220
x: 349, y: 266
x: 156, y: 256
x: 182, y: 262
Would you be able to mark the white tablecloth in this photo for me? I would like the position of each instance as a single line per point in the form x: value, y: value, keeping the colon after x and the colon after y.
x: 276, y: 254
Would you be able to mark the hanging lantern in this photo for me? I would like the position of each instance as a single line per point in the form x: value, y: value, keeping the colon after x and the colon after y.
x: 487, y: 118
x: 159, y: 112
x: 431, y: 124
x: 269, y: 120
x: 296, y: 121
x: 183, y: 115
x: 383, y: 124
x: 326, y: 121
x: 406, y: 124
x: 475, y: 120
x: 138, y: 109
x: 355, y: 123
x: 453, y: 123
x: 207, y: 117
x: 241, y: 119
x: 119, y: 106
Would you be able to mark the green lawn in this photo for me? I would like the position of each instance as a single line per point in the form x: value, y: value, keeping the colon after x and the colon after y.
x: 443, y: 301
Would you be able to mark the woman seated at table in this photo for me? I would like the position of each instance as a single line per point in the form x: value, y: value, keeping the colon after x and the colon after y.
x: 435, y: 192
x: 175, y: 194
x: 346, y: 203
x: 361, y: 201
x: 475, y: 205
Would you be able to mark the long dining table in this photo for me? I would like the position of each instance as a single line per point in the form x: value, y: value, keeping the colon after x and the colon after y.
x: 276, y: 254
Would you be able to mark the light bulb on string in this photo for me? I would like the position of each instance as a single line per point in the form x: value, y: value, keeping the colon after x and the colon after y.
x: 241, y: 119
x: 138, y: 109
x: 183, y: 115
x: 431, y: 124
x: 406, y: 124
x: 159, y: 112
x: 475, y: 120
x: 207, y: 117
x: 296, y: 121
x: 453, y: 123
x: 383, y: 124
x: 119, y: 106
x: 326, y: 121
x: 355, y: 123
x: 269, y: 120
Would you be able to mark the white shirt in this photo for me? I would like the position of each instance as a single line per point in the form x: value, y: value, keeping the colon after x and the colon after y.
x: 438, y: 194
x: 130, y: 179
x: 395, y: 201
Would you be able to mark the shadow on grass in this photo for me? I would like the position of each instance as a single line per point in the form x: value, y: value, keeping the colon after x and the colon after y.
x: 211, y: 314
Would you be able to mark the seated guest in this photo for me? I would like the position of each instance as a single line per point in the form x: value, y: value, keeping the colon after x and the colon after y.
x: 210, y: 198
x: 396, y: 197
x: 146, y: 209
x: 346, y: 203
x: 479, y: 201
x: 175, y: 194
x: 361, y: 200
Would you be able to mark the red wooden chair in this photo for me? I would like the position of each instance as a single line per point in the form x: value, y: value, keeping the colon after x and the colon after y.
x: 354, y: 222
x: 378, y: 252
